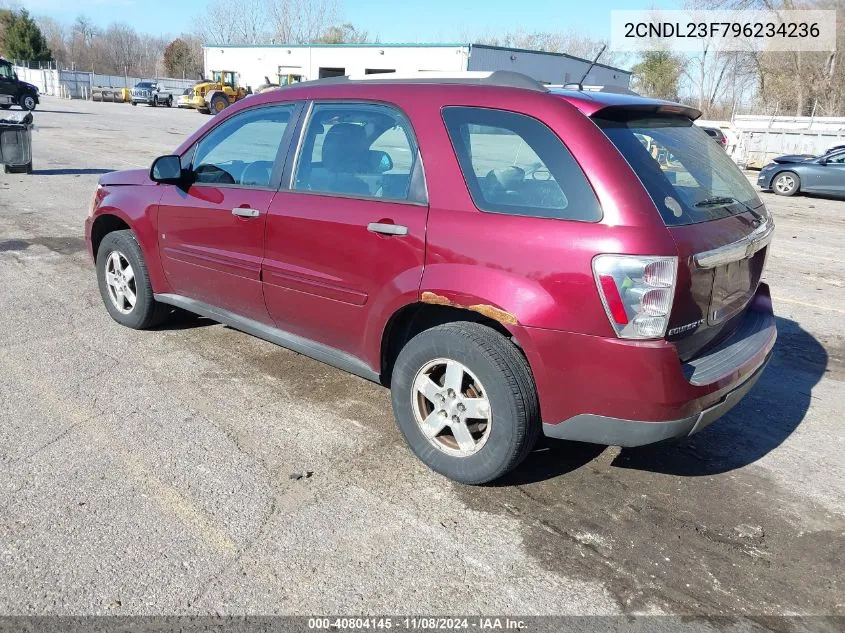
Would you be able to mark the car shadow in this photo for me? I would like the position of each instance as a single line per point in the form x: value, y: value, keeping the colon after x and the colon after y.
x: 69, y: 172
x: 183, y: 320
x: 760, y: 423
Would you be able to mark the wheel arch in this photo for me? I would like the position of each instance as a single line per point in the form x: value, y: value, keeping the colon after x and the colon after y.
x: 103, y: 225
x: 414, y: 318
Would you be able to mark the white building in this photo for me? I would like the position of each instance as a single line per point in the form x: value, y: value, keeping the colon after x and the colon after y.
x: 255, y: 62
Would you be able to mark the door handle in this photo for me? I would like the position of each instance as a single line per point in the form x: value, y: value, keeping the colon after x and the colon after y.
x: 246, y: 212
x: 387, y: 229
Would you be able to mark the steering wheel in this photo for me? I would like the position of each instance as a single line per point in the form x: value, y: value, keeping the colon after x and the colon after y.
x: 209, y: 173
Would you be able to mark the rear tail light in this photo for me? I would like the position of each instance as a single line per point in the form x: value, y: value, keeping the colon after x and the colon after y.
x: 636, y: 292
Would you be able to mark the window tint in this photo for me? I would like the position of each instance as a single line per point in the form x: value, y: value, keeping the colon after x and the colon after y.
x: 690, y: 178
x: 5, y: 72
x: 363, y: 150
x: 837, y: 159
x: 514, y: 164
x: 242, y: 150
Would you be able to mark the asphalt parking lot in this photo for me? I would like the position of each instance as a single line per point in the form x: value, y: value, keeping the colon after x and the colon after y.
x: 150, y: 472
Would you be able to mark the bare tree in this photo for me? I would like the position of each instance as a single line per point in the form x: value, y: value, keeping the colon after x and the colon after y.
x: 301, y: 21
x: 226, y: 22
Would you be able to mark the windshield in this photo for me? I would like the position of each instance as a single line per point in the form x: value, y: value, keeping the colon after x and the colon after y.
x: 144, y: 84
x: 690, y: 178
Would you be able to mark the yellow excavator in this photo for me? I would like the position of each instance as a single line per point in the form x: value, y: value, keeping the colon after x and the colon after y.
x: 214, y: 96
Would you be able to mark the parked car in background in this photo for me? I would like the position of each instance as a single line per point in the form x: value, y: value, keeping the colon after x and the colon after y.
x: 788, y: 175
x: 185, y: 99
x: 584, y: 265
x: 717, y: 135
x: 13, y: 91
x: 151, y: 93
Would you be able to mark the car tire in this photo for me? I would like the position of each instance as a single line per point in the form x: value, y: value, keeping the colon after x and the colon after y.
x: 134, y: 103
x: 27, y: 102
x: 122, y: 247
x: 170, y: 102
x: 218, y: 103
x: 494, y: 379
x: 786, y: 183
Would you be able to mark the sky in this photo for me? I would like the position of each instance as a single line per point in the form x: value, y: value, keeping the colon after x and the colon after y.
x: 390, y: 20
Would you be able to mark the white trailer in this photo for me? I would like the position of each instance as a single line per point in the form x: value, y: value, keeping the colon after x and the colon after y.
x: 758, y: 139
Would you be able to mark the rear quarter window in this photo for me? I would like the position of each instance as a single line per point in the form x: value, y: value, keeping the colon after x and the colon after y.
x: 514, y: 164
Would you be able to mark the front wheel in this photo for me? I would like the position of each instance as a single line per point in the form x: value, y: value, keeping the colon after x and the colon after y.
x: 28, y: 102
x: 125, y: 283
x: 464, y: 398
x: 786, y: 184
x: 218, y: 104
x: 170, y: 102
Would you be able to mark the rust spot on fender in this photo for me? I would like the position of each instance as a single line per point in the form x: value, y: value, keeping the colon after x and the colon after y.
x: 491, y: 312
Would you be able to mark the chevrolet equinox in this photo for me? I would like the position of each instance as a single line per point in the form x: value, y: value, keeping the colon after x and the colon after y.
x: 509, y: 259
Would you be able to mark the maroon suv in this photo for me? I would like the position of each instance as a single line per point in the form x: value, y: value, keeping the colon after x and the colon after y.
x: 507, y: 258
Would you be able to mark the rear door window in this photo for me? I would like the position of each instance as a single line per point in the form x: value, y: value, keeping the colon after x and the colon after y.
x: 514, y: 164
x: 362, y: 150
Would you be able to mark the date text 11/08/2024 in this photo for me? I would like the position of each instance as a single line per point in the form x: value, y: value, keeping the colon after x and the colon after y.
x: 416, y: 623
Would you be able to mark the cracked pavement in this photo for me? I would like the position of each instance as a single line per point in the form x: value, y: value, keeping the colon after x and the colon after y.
x: 149, y: 472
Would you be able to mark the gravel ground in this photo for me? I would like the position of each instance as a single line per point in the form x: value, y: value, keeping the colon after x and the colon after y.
x: 149, y: 472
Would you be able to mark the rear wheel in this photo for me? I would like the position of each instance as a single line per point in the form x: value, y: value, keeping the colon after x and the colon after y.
x: 465, y: 400
x: 218, y: 104
x: 28, y: 102
x: 169, y: 102
x: 125, y: 283
x: 786, y: 183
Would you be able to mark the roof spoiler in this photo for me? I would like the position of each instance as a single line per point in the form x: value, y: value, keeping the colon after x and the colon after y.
x: 627, y: 111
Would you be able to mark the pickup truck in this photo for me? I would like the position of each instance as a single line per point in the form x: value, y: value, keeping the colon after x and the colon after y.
x: 151, y: 93
x: 13, y: 91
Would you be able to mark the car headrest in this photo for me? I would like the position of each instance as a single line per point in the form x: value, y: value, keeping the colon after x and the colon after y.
x: 344, y: 148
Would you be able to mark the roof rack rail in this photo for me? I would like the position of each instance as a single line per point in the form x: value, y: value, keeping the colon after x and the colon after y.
x: 504, y: 78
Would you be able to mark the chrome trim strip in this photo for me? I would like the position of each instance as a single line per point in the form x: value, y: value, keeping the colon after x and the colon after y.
x: 735, y: 251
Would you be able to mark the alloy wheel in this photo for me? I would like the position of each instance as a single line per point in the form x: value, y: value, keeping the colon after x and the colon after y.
x: 120, y: 280
x: 785, y: 183
x: 451, y: 407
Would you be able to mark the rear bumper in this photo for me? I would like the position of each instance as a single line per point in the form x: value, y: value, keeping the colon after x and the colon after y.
x: 598, y: 429
x: 629, y: 393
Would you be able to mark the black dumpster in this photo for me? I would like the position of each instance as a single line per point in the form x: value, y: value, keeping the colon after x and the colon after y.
x: 16, y: 143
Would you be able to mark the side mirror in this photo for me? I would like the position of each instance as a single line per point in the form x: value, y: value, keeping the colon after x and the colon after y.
x: 15, y: 75
x: 823, y: 161
x: 167, y: 170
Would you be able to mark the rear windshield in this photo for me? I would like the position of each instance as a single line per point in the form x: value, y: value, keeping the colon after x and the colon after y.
x: 690, y: 178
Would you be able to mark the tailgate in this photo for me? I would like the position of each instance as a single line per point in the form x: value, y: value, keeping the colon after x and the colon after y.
x: 720, y: 264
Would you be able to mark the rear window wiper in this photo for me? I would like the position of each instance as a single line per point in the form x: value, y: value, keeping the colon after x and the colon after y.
x: 716, y: 201
x: 725, y: 200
